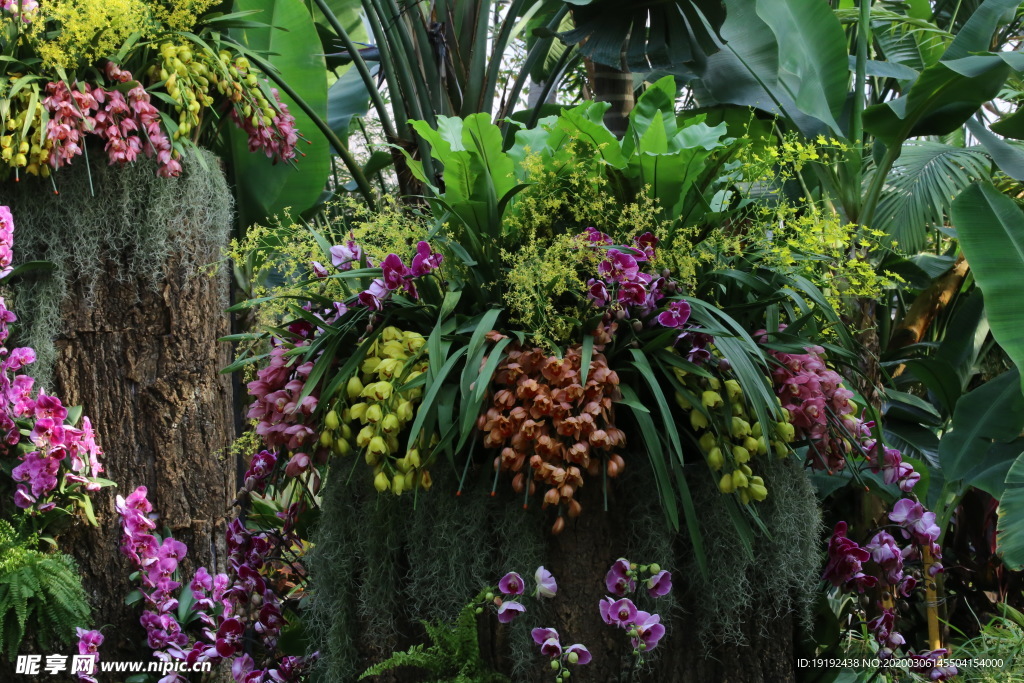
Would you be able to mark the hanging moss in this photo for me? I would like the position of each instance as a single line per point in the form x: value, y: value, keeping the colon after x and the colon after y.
x: 379, y: 565
x: 382, y: 564
x: 124, y: 213
x: 782, y: 575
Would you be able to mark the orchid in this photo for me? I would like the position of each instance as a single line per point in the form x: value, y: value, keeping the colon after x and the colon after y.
x: 547, y: 587
x: 511, y: 584
x: 619, y: 579
x: 509, y: 610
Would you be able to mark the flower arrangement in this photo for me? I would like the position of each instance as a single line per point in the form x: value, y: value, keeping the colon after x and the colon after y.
x: 506, y: 320
x: 139, y: 77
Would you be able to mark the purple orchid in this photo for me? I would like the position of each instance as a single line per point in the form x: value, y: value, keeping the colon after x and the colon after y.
x: 676, y: 315
x: 512, y: 584
x: 620, y: 612
x: 660, y: 584
x: 344, y: 255
x: 646, y: 243
x: 619, y: 579
x: 619, y: 267
x: 547, y: 587
x: 649, y: 630
x: 916, y: 521
x: 547, y: 638
x: 509, y: 610
x: 425, y: 260
x: 844, y: 561
x: 597, y: 292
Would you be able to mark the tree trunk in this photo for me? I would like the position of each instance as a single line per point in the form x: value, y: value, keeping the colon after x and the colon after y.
x: 137, y: 348
x: 614, y: 86
x: 145, y: 365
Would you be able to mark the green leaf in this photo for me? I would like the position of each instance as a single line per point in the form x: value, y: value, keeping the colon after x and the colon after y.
x: 976, y: 33
x: 265, y: 189
x: 990, y: 228
x: 347, y: 98
x: 648, y: 35
x: 1010, y: 528
x: 992, y: 412
x: 812, y: 55
x: 945, y: 96
x: 747, y: 72
x: 436, y: 383
x: 922, y: 185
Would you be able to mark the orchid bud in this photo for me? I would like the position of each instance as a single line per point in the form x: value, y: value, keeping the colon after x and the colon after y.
x: 413, y: 457
x: 364, y: 436
x: 682, y: 402
x: 389, y: 423
x: 374, y: 414
x: 715, y: 458
x: 377, y: 446
x: 358, y: 412
x: 711, y: 399
x: 739, y: 479
x: 740, y: 454
x: 707, y: 441
x: 698, y: 420
x: 331, y: 420
x: 758, y: 492
x: 398, y: 484
x: 725, y: 484
x: 381, y: 483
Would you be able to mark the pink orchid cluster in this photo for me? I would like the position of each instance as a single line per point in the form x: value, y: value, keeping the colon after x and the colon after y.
x: 561, y: 657
x: 821, y: 411
x: 62, y: 457
x: 128, y: 126
x: 6, y: 242
x: 278, y: 139
x: 23, y: 8
x: 224, y: 606
x: 621, y: 280
x: 512, y: 585
x: 846, y: 561
x: 623, y: 578
x: 89, y: 642
x: 399, y: 276
x: 280, y: 412
x: 628, y: 292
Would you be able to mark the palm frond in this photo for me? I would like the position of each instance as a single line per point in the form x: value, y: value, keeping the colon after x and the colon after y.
x: 921, y: 186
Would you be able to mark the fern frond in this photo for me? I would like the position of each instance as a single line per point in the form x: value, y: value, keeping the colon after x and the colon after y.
x: 922, y: 185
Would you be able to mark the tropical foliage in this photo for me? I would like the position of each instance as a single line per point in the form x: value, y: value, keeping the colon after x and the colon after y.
x: 534, y: 247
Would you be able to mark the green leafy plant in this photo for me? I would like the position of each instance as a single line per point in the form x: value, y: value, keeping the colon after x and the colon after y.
x: 452, y: 657
x: 41, y: 594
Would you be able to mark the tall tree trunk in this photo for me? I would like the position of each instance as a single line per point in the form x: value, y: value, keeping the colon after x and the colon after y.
x: 147, y: 374
x: 137, y: 348
x: 615, y: 86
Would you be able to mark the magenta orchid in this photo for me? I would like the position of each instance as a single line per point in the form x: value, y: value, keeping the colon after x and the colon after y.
x: 511, y: 584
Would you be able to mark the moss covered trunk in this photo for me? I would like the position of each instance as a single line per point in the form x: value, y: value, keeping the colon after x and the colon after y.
x: 134, y: 322
x: 381, y: 563
x: 579, y: 558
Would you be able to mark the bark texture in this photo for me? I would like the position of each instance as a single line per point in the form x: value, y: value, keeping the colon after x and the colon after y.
x: 145, y: 366
x: 133, y: 316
